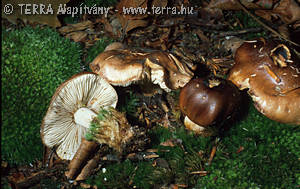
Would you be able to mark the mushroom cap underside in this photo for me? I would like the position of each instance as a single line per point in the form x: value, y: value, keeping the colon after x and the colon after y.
x: 82, y: 91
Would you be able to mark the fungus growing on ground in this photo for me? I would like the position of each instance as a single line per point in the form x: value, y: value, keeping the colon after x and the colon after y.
x: 119, y: 67
x: 206, y: 102
x: 272, y: 77
x: 122, y: 67
x: 167, y: 71
x: 73, y: 106
x: 110, y: 127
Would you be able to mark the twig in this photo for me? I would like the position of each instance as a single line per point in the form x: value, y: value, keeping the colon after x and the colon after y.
x: 264, y: 25
x: 248, y: 30
x: 212, y: 154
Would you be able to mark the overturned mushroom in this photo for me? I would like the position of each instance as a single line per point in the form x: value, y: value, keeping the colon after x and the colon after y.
x: 122, y: 67
x: 73, y: 106
x: 207, y: 102
x: 272, y: 77
x: 110, y: 127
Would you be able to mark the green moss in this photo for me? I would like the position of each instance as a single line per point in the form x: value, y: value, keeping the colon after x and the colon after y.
x: 131, y: 104
x: 123, y: 175
x: 34, y: 63
x: 270, y: 158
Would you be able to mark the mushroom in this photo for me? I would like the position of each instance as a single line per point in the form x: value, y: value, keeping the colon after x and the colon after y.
x: 206, y: 102
x: 73, y: 106
x: 114, y: 46
x: 122, y: 67
x: 272, y: 77
x: 167, y: 71
x: 110, y: 127
x: 119, y: 67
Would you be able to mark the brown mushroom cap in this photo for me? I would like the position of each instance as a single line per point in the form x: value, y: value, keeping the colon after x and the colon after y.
x: 173, y: 73
x: 272, y: 77
x: 119, y: 67
x: 123, y: 67
x: 73, y: 106
x: 208, y: 101
x: 114, y: 46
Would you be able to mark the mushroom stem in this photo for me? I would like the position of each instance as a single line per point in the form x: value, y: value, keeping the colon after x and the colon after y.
x: 193, y: 126
x: 82, y: 155
x: 84, y: 116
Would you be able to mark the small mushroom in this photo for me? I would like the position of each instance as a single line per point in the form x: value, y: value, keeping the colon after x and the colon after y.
x: 123, y: 66
x: 73, y: 106
x: 272, y: 77
x: 206, y: 102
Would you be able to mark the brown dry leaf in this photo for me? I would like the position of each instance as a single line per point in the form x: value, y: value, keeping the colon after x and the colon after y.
x: 16, y: 177
x: 77, y: 36
x: 49, y: 16
x: 84, y: 185
x: 288, y: 11
x: 169, y: 143
x: 201, y: 35
x: 128, y: 24
x: 132, y: 21
x: 76, y: 27
x: 160, y: 3
x: 284, y: 31
x: 232, y: 5
x: 241, y: 148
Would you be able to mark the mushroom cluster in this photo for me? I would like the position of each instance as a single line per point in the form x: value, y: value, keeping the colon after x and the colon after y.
x: 207, y: 102
x: 122, y: 66
x: 272, y: 76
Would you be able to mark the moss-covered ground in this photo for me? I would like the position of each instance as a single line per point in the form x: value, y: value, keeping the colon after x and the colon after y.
x: 255, y: 153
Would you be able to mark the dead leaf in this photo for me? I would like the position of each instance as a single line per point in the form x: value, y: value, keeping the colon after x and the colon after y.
x: 160, y: 3
x: 77, y: 36
x: 128, y: 24
x: 76, y: 27
x: 287, y: 10
x: 84, y: 185
x: 201, y: 35
x: 45, y: 12
x: 232, y: 5
x: 169, y: 143
x: 241, y: 148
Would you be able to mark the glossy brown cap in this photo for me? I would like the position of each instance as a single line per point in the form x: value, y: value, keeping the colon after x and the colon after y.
x: 272, y: 76
x: 208, y: 101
